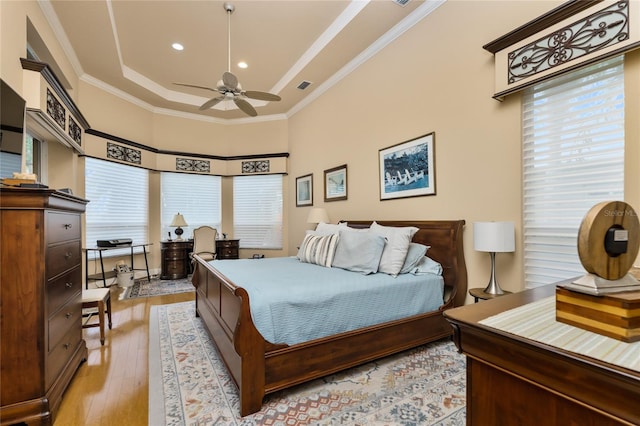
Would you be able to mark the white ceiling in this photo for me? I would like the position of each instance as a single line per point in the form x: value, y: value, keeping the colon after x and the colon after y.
x: 124, y: 47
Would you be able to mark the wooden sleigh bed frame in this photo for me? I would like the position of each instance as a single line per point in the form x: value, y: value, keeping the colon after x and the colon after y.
x: 259, y: 367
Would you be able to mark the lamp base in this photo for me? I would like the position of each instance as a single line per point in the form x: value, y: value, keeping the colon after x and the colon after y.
x: 493, y: 287
x: 179, y: 231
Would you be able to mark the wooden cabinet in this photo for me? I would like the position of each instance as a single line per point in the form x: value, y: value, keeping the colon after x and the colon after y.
x: 513, y: 380
x: 175, y: 259
x: 228, y: 249
x: 40, y: 301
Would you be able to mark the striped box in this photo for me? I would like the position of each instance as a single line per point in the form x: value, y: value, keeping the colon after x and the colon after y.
x: 616, y: 315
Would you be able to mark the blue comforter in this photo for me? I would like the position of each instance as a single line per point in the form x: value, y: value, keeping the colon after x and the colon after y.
x: 294, y: 302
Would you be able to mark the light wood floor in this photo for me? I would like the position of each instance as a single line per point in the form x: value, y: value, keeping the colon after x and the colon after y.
x: 112, y: 386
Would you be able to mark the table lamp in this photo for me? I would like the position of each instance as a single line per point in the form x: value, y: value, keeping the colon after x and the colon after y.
x: 494, y: 237
x: 177, y: 222
x: 317, y: 215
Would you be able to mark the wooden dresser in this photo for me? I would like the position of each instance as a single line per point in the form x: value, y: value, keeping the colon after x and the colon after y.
x: 40, y: 302
x: 228, y: 249
x: 512, y: 380
x: 175, y: 259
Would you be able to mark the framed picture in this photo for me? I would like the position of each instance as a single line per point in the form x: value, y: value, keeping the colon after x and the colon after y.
x: 304, y: 190
x: 335, y: 183
x: 408, y: 168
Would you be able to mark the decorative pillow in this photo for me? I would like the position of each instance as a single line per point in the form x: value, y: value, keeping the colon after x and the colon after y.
x: 427, y: 266
x: 318, y: 249
x: 414, y: 256
x: 330, y: 228
x: 359, y: 251
x: 395, y: 251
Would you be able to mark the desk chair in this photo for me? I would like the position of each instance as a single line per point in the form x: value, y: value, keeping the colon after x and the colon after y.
x: 204, y: 242
x: 97, y: 298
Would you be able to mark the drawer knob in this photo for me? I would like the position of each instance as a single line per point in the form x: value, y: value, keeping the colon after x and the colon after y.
x: 67, y: 226
x: 68, y: 285
x: 68, y: 315
x: 66, y: 345
x: 68, y: 255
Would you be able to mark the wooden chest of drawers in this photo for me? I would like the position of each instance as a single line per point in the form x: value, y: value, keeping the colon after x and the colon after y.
x: 228, y: 249
x: 175, y: 259
x: 41, y: 302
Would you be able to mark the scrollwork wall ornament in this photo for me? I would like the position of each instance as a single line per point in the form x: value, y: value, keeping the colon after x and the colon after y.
x: 123, y: 153
x: 56, y: 110
x: 189, y: 165
x: 260, y: 166
x: 599, y: 30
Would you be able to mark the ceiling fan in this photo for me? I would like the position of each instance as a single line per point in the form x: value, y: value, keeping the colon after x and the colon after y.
x: 229, y: 88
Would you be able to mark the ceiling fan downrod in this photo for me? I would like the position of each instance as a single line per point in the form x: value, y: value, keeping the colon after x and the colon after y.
x: 229, y: 8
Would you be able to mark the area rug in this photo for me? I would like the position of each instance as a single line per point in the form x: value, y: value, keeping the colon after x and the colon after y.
x: 144, y: 288
x: 189, y: 384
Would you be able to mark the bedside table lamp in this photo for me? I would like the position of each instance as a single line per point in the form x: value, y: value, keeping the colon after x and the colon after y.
x: 177, y: 222
x: 494, y: 237
x: 317, y: 215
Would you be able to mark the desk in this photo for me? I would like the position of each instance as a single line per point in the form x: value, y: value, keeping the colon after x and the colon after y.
x: 513, y: 380
x: 103, y: 249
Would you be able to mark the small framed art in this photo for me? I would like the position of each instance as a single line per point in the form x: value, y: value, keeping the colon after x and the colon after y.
x: 408, y: 168
x: 304, y: 190
x: 335, y: 183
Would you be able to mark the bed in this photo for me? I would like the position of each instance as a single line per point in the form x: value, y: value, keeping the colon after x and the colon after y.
x: 260, y: 367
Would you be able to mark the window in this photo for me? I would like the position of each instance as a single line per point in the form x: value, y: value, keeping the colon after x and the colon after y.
x: 10, y: 163
x: 573, y: 158
x: 257, y: 211
x: 118, y: 203
x: 196, y: 197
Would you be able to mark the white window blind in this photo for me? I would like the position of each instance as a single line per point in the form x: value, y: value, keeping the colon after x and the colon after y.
x: 257, y: 211
x: 9, y: 163
x: 573, y: 158
x: 196, y: 197
x: 118, y: 203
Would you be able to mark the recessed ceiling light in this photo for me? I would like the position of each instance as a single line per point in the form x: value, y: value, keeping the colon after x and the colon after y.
x: 242, y: 65
x: 177, y: 46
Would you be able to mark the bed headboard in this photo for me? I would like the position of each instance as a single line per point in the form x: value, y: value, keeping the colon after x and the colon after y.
x: 445, y: 239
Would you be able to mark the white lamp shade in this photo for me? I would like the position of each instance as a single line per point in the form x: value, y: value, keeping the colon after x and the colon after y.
x: 494, y: 236
x: 317, y: 215
x: 178, y: 220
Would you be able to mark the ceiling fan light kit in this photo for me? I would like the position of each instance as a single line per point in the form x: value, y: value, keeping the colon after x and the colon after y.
x: 229, y: 87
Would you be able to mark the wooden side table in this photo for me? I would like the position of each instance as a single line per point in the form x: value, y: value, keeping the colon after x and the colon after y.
x: 227, y: 249
x: 175, y: 259
x: 478, y: 293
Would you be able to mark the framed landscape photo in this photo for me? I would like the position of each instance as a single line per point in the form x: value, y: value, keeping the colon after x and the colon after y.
x: 304, y: 190
x: 408, y: 168
x: 335, y: 183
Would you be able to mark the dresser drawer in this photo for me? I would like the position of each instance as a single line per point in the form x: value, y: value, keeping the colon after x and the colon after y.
x: 62, y: 227
x: 60, y: 354
x: 69, y: 316
x: 61, y: 289
x: 63, y: 257
x: 227, y: 249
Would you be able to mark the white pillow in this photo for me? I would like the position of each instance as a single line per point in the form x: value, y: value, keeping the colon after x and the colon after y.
x: 414, y: 256
x: 318, y: 249
x: 330, y: 228
x: 395, y: 251
x: 359, y: 251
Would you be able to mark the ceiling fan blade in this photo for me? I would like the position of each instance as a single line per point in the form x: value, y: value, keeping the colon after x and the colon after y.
x: 230, y: 80
x: 196, y: 86
x: 211, y: 102
x: 262, y: 96
x: 245, y: 106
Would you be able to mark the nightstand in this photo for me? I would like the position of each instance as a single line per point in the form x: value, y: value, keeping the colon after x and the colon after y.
x: 478, y: 293
x: 175, y: 259
x: 227, y: 249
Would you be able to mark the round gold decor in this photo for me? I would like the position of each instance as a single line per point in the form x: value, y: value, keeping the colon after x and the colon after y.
x: 608, y: 239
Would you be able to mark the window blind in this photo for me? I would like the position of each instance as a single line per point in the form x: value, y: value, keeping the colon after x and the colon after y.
x: 257, y: 211
x: 118, y: 203
x: 196, y: 197
x: 9, y: 163
x: 573, y: 158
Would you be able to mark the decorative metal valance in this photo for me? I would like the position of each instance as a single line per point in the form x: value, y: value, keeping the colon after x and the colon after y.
x: 123, y: 153
x: 191, y: 165
x: 574, y: 35
x: 259, y: 166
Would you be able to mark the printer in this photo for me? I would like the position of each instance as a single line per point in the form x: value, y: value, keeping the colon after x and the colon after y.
x: 114, y: 242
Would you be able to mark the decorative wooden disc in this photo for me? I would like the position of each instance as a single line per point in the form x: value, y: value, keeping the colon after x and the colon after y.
x: 591, y: 239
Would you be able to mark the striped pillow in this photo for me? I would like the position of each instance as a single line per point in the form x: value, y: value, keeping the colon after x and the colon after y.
x: 318, y: 249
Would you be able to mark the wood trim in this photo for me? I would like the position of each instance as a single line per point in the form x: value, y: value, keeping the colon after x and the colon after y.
x: 550, y: 18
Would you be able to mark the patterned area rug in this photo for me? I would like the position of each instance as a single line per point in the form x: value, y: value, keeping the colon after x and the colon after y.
x: 144, y: 288
x: 189, y: 384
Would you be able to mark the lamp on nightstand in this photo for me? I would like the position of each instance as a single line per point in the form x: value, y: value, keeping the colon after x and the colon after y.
x: 317, y: 215
x: 494, y: 237
x: 177, y: 222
